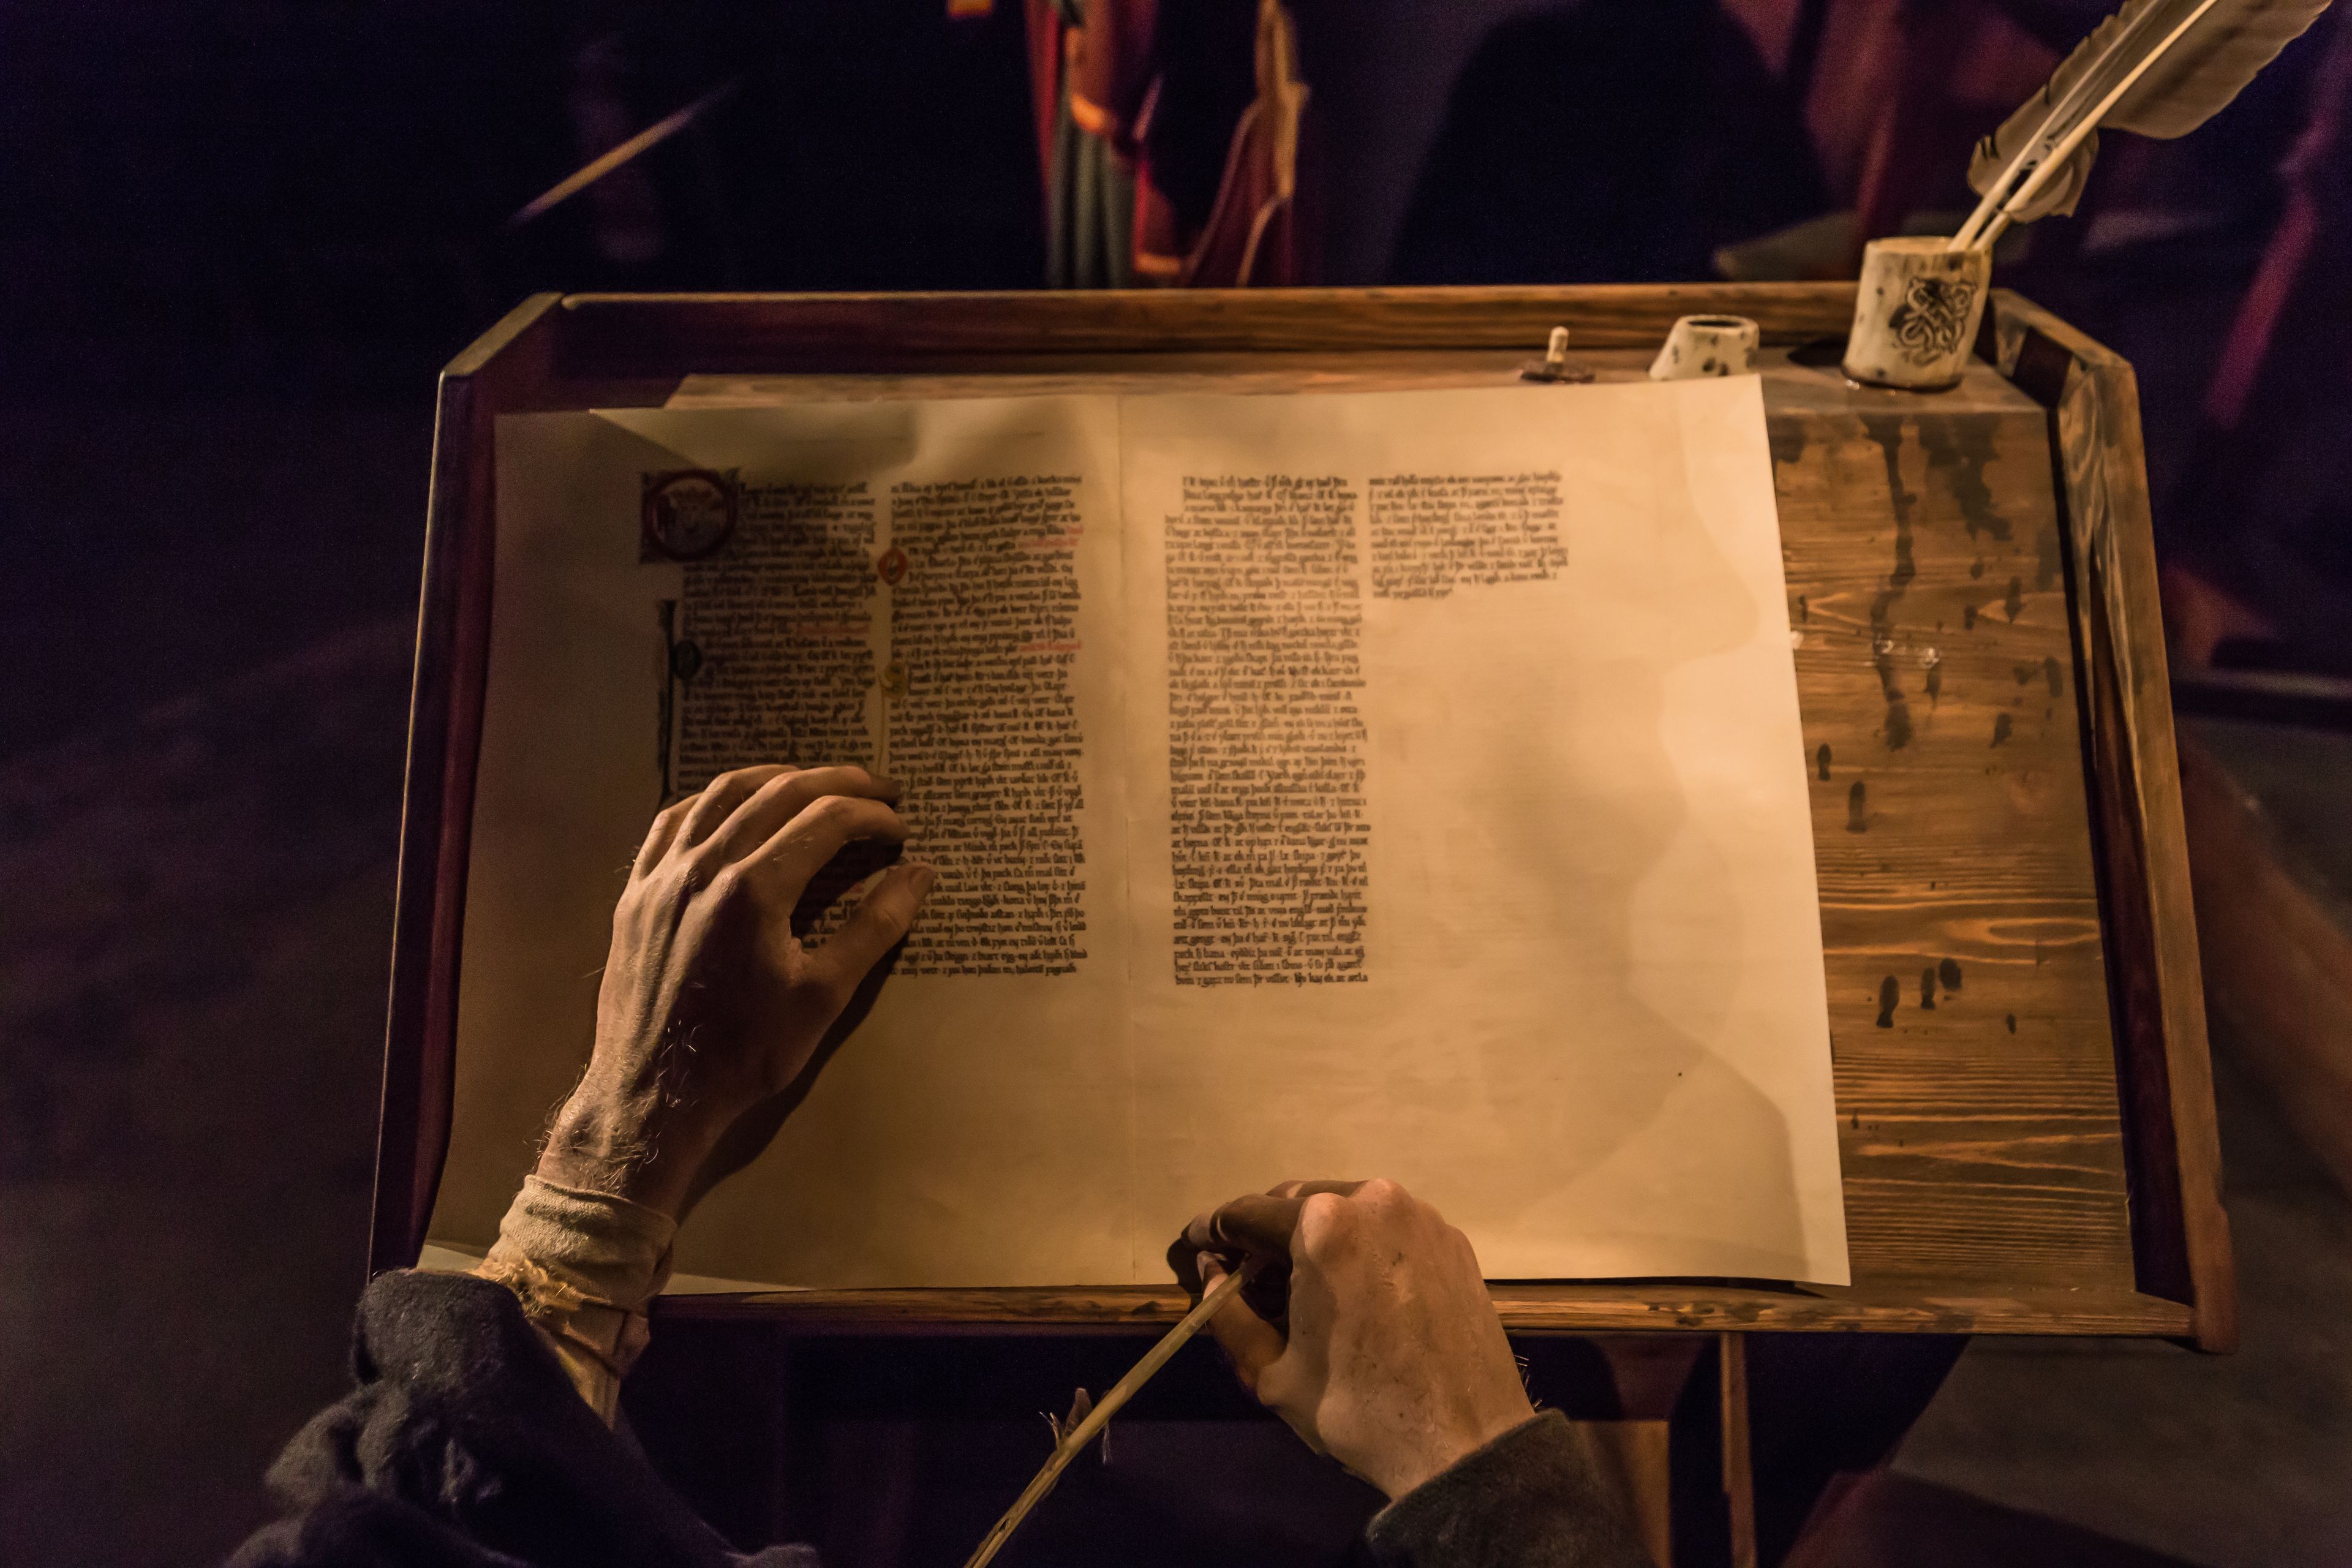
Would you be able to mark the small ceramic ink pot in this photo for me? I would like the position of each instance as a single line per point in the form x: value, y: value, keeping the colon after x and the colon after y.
x: 1915, y: 313
x: 1707, y: 345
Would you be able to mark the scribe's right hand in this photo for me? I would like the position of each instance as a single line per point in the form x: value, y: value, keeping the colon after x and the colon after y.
x: 1390, y: 1357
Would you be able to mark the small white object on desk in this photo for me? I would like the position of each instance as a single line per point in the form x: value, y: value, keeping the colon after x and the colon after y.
x: 1555, y: 365
x: 1915, y: 313
x: 1707, y: 345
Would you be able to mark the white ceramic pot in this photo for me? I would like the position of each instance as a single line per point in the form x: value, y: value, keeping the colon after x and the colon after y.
x: 1707, y: 345
x: 1915, y: 313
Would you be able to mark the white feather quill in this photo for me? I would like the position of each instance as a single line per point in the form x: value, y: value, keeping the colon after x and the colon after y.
x: 2160, y: 67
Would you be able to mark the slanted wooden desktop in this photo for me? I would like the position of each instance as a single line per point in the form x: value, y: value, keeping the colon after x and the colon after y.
x: 2024, y: 1103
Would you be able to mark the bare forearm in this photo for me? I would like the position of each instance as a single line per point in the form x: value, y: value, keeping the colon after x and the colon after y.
x: 629, y: 1145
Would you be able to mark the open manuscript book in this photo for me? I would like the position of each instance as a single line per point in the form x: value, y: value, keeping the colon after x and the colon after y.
x: 1402, y: 783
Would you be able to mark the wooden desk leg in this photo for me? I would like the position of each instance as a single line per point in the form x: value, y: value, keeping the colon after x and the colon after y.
x: 1639, y: 1455
x: 1738, y: 1479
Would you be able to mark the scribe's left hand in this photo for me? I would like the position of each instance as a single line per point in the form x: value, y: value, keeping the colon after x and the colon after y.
x: 711, y: 1007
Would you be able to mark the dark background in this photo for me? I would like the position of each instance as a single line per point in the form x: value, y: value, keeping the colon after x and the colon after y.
x: 238, y: 237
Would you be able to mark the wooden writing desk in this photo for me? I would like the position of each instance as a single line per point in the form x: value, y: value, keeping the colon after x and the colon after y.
x: 2023, y: 1095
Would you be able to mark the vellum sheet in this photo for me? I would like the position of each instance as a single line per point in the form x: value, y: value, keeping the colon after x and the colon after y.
x: 1402, y: 784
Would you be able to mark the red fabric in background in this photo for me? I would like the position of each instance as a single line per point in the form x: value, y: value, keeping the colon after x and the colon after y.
x: 1114, y: 66
x: 1172, y: 93
x: 1043, y: 20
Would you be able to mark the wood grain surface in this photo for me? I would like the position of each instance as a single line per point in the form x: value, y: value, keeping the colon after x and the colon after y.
x: 1957, y: 817
x: 619, y: 334
x: 1579, y: 1307
x: 503, y: 370
x: 1960, y: 920
x: 2172, y: 1141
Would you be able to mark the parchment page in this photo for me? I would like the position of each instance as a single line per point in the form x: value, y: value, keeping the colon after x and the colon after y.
x: 933, y: 588
x: 1469, y: 836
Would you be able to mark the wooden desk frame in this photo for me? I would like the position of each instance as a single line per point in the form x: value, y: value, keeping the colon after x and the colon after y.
x: 583, y: 351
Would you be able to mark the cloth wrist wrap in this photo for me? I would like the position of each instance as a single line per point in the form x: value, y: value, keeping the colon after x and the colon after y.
x: 584, y: 1266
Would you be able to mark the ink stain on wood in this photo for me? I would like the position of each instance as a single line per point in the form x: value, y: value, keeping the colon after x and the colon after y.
x: 1890, y: 996
x: 1959, y: 448
x: 1886, y: 431
x: 1788, y: 440
x: 1935, y: 681
x: 1804, y: 609
x: 1857, y: 806
x: 1968, y: 618
x: 1927, y: 988
x: 1976, y: 567
x: 2050, y: 562
x: 2001, y: 728
x: 1897, y: 728
x: 1821, y: 760
x: 1819, y: 354
x: 2012, y: 1023
x: 1898, y: 724
x: 2023, y: 672
x: 2055, y: 674
x: 2015, y: 599
x: 1949, y: 971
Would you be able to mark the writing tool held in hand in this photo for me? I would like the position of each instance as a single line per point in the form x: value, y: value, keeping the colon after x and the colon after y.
x: 1075, y: 1440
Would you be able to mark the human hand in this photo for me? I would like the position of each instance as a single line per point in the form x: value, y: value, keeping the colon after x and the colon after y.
x: 1387, y: 1352
x: 711, y: 1006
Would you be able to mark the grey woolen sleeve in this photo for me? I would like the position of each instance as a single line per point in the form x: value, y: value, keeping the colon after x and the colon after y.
x: 1533, y: 1497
